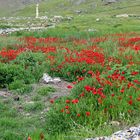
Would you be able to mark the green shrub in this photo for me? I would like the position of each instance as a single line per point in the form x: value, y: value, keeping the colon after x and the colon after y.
x: 19, y: 86
x: 33, y: 63
x: 9, y: 72
x: 45, y: 90
x: 33, y: 106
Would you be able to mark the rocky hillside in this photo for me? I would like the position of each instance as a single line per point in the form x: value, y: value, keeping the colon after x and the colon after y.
x: 67, y: 7
x: 8, y: 6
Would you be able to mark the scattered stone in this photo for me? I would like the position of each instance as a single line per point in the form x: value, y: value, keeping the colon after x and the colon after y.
x: 97, y: 19
x: 27, y: 114
x: 132, y: 133
x: 91, y: 30
x: 115, y: 123
x: 4, y: 94
x: 107, y: 2
x: 31, y: 102
x: 48, y: 79
x: 122, y: 16
x: 16, y: 98
x: 57, y: 19
x: 78, y: 11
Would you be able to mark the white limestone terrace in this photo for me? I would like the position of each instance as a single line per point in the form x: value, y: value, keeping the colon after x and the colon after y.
x: 30, y: 23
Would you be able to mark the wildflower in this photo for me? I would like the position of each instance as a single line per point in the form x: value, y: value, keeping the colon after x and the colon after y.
x: 130, y: 102
x: 112, y: 95
x: 67, y: 112
x: 67, y: 107
x: 136, y: 81
x: 51, y: 101
x: 69, y: 86
x: 105, y: 110
x: 134, y: 73
x: 100, y: 101
x: 78, y: 115
x: 62, y: 110
x: 80, y: 79
x: 123, y: 72
x: 75, y: 101
x: 130, y: 97
x: 122, y: 90
x: 87, y: 88
x: 87, y: 114
x: 67, y: 101
x: 74, y: 83
x: 90, y: 72
x: 82, y: 94
x: 29, y: 138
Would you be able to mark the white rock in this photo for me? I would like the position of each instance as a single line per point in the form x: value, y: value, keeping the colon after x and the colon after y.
x: 122, y: 15
x: 48, y: 79
x: 97, y: 19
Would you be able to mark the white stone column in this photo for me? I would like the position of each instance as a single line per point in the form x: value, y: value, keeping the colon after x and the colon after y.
x: 37, y: 10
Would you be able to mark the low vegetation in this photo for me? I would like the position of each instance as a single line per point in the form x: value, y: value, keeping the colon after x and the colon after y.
x: 104, y: 71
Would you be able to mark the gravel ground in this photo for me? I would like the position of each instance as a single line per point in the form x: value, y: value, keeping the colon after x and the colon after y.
x: 132, y: 133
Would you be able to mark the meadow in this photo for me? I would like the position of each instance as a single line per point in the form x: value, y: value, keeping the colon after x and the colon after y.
x: 105, y: 84
x: 99, y: 61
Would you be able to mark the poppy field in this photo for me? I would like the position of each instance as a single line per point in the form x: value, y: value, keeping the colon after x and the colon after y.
x: 104, y: 76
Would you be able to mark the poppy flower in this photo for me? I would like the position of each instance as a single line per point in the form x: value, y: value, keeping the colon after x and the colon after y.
x: 78, y: 115
x: 87, y: 88
x: 67, y: 107
x: 87, y: 114
x: 75, y: 101
x: 112, y: 95
x: 130, y: 102
x: 67, y: 101
x: 69, y: 86
x: 51, y: 101
x: 122, y: 90
x: 29, y: 138
x: 62, y: 110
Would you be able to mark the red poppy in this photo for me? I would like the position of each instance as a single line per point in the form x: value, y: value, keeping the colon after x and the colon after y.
x: 69, y: 86
x: 88, y: 88
x: 29, y: 138
x: 82, y: 94
x: 67, y: 107
x: 75, y: 101
x: 62, y: 110
x: 78, y: 115
x: 51, y: 101
x: 130, y: 102
x: 112, y: 95
x: 100, y: 101
x: 122, y: 90
x: 87, y: 113
x: 67, y: 101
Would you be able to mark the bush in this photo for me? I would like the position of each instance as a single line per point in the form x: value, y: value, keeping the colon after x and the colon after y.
x: 45, y: 90
x: 19, y: 86
x: 28, y: 67
x: 33, y: 63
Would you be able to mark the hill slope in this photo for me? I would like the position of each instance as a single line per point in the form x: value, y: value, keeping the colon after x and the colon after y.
x: 64, y: 7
